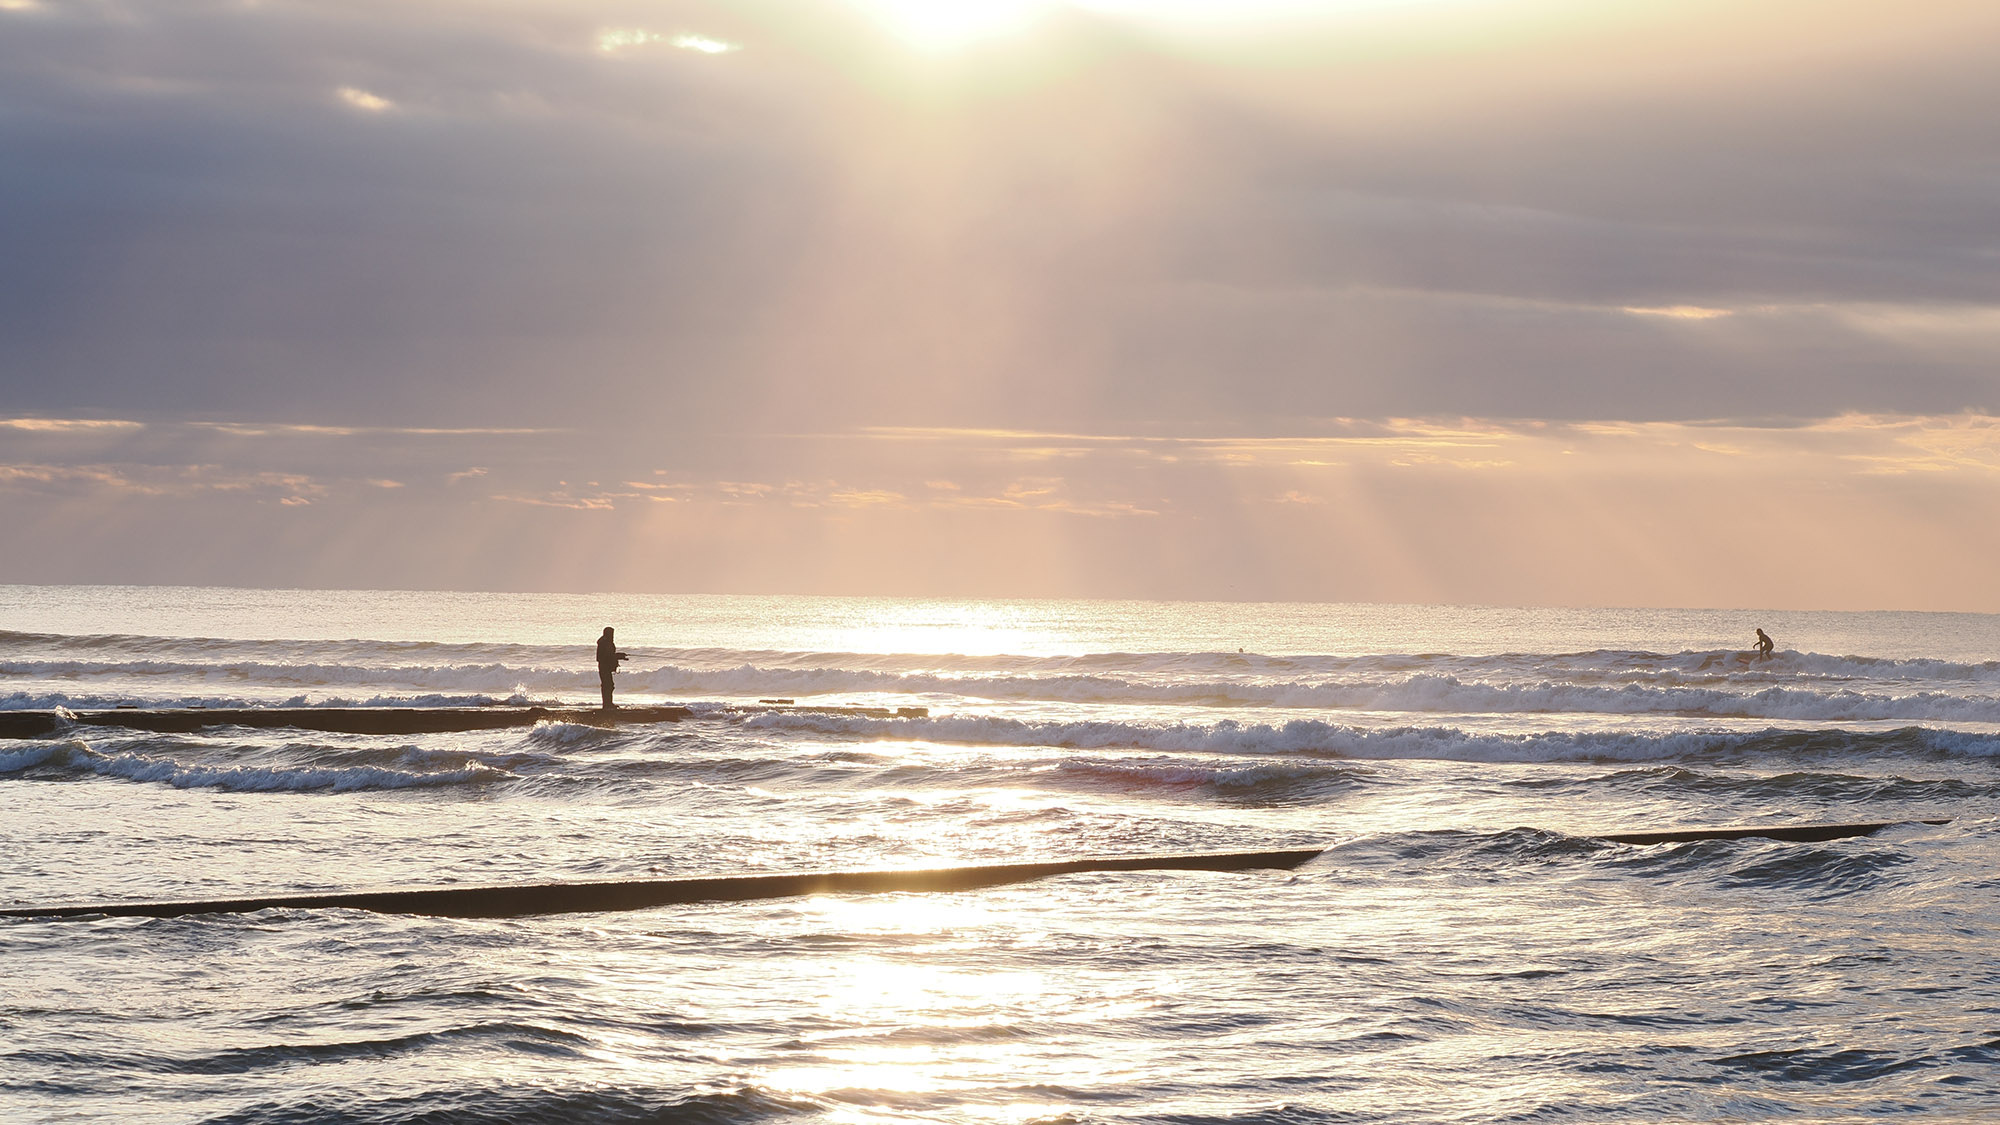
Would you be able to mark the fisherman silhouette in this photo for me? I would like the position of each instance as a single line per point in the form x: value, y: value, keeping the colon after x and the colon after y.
x: 608, y: 657
x: 1764, y: 645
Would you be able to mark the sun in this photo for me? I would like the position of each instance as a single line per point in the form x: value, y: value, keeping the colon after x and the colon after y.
x: 941, y: 25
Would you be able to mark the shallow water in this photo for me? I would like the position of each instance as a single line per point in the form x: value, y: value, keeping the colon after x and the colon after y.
x: 1460, y: 952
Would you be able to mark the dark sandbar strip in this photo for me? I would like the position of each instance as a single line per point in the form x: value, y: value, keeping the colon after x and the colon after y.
x: 1797, y: 833
x: 390, y: 720
x: 570, y: 898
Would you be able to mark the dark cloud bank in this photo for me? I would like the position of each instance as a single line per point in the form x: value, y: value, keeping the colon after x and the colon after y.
x: 196, y: 223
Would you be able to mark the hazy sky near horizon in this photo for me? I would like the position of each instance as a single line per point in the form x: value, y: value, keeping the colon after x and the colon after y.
x: 1501, y: 301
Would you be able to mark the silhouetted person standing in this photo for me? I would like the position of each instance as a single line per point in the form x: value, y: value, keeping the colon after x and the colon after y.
x: 1764, y: 645
x: 608, y: 657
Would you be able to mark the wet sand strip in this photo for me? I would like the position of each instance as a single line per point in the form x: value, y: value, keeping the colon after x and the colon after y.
x: 395, y: 720
x: 639, y: 894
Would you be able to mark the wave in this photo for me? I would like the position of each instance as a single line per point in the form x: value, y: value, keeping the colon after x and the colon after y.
x: 1819, y: 1067
x: 1793, y: 786
x: 338, y: 772
x: 1302, y: 762
x: 1313, y: 737
x: 515, y: 1105
x: 20, y: 757
x: 1768, y: 696
x: 1817, y: 872
x: 1423, y: 692
x: 1263, y: 784
x: 58, y: 653
x: 1801, y: 871
x: 1415, y: 694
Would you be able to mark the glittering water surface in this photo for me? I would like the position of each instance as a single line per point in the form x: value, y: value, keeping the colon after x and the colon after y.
x: 1462, y: 950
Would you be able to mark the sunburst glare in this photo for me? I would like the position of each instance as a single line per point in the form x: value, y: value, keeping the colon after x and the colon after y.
x: 935, y: 25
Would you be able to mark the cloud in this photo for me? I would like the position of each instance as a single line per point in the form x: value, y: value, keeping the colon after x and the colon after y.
x: 363, y: 100
x: 154, y: 480
x: 704, y: 45
x: 1373, y: 509
x: 1479, y: 257
x: 611, y: 41
x: 70, y: 425
x: 561, y: 500
x: 866, y: 498
x: 812, y: 234
x: 303, y: 429
x: 1681, y: 312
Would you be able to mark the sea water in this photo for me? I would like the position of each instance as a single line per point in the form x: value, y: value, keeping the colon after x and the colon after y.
x: 1463, y: 949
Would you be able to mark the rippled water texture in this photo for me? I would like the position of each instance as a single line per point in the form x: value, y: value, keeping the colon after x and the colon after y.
x: 1463, y: 950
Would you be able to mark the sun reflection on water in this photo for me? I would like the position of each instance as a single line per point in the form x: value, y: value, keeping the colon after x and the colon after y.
x: 962, y: 628
x: 932, y: 1009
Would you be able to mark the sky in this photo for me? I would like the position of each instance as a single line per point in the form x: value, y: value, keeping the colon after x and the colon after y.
x: 1520, y: 302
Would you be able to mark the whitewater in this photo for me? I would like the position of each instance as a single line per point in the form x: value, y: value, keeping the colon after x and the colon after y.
x: 1462, y: 949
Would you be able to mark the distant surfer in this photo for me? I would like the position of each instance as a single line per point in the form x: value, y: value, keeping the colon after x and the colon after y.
x: 1764, y: 645
x: 608, y: 657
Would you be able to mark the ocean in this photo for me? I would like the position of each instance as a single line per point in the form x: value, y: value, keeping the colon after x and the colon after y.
x: 1463, y: 950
